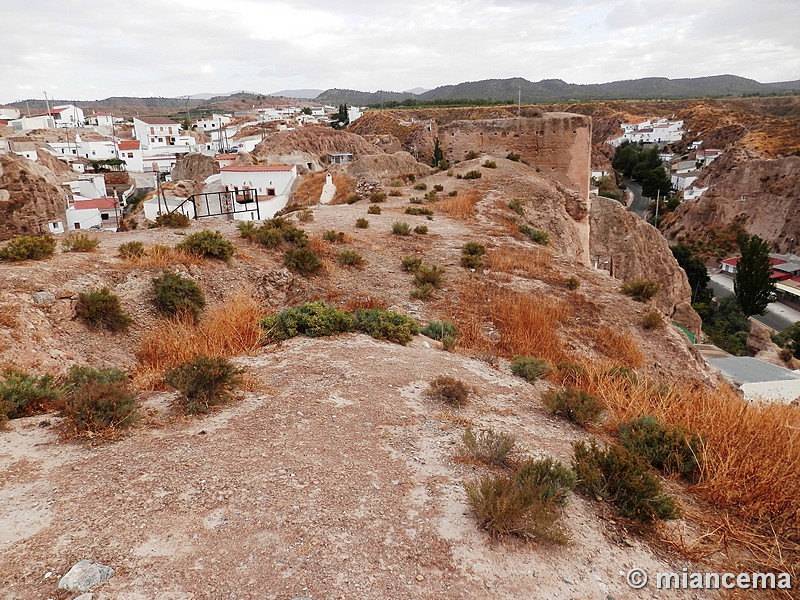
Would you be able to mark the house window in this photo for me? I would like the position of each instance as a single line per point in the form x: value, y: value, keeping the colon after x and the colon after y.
x: 170, y: 130
x: 104, y: 216
x: 152, y: 130
x: 743, y: 197
x: 270, y: 192
x: 77, y: 225
x: 160, y: 139
x: 130, y: 154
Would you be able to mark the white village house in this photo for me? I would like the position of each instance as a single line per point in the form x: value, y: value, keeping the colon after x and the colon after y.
x: 131, y: 152
x: 36, y: 122
x: 272, y: 184
x: 153, y: 132
x: 68, y: 115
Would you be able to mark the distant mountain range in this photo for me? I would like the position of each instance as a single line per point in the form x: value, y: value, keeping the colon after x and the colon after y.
x: 308, y: 94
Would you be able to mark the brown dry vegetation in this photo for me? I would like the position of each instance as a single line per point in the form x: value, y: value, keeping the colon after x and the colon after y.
x: 161, y: 257
x: 461, y: 206
x: 310, y: 188
x: 531, y: 262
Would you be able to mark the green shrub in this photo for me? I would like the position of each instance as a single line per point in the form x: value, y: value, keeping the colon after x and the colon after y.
x: 176, y: 295
x: 23, y: 395
x: 421, y: 186
x: 312, y: 319
x: 333, y: 236
x: 640, y: 290
x: 668, y: 448
x: 377, y: 196
x: 351, y: 258
x: 98, y: 400
x: 208, y: 243
x: 410, y: 263
x: 537, y: 236
x: 401, y: 228
x: 490, y: 164
x: 247, y: 229
x: 362, y: 223
x: 529, y: 367
x: 438, y: 188
x: 415, y: 210
x: 396, y: 183
x: 302, y: 260
x: 76, y: 241
x: 474, y: 174
x: 102, y: 308
x: 489, y: 446
x: 554, y: 480
x: 384, y: 324
x: 203, y: 382
x: 421, y: 229
x: 374, y: 210
x: 305, y: 216
x: 576, y: 405
x: 394, y: 192
x: 517, y: 207
x: 472, y: 255
x: 624, y: 479
x: 452, y: 193
x: 353, y: 198
x: 131, y: 250
x: 173, y: 219
x: 572, y: 283
x: 448, y: 390
x: 440, y: 330
x: 415, y: 200
x: 652, y: 319
x: 429, y: 274
x: 513, y: 156
x: 431, y: 196
x: 422, y: 292
x: 471, y: 155
x: 28, y: 247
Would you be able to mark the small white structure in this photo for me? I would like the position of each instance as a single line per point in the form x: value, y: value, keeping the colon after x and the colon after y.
x: 37, y: 122
x: 272, y: 183
x: 154, y: 207
x: 100, y: 213
x: 24, y: 149
x: 7, y: 114
x: 659, y: 131
x: 693, y: 193
x: 153, y: 132
x: 328, y: 190
x: 354, y: 113
x: 340, y: 158
x: 101, y: 120
x: 707, y: 156
x: 214, y: 122
x: 88, y: 187
x: 226, y: 160
x: 131, y: 152
x: 681, y: 181
x: 56, y: 227
x: 68, y: 115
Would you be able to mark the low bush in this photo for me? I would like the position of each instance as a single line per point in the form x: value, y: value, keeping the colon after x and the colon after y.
x: 438, y: 187
x: 668, y: 448
x: 362, y: 223
x: 302, y: 261
x: 421, y: 186
x: 377, y: 196
x: 131, y: 250
x: 489, y: 446
x: 312, y: 319
x: 624, y: 479
x: 410, y: 263
x: 77, y: 241
x: 537, y: 236
x: 247, y: 229
x: 173, y: 219
x: 23, y: 394
x: 333, y: 236
x: 471, y: 155
x: 415, y: 200
x: 474, y: 174
x: 517, y: 207
x: 452, y: 193
x: 513, y: 156
x: 394, y: 192
x: 572, y: 283
x: 203, y: 382
x: 28, y: 247
x: 396, y: 183
x: 208, y: 243
x: 422, y: 292
x: 102, y: 309
x: 529, y: 367
x: 416, y: 210
x: 429, y: 274
x: 421, y: 229
x: 575, y: 405
x: 472, y: 255
x: 401, y: 228
x: 431, y: 196
x: 440, y: 330
x: 525, y: 504
x: 374, y: 210
x: 640, y: 290
x: 652, y: 319
x: 384, y: 324
x: 305, y: 216
x: 351, y: 258
x: 178, y: 296
x: 98, y: 400
x: 490, y: 164
x: 353, y: 198
x: 448, y: 390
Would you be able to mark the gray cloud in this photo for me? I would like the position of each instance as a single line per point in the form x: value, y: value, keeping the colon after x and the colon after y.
x: 175, y: 47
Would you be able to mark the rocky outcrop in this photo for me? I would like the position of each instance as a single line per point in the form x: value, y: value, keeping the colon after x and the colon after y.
x: 195, y: 166
x: 759, y: 195
x: 387, y: 166
x: 632, y: 249
x: 30, y: 197
x: 311, y: 145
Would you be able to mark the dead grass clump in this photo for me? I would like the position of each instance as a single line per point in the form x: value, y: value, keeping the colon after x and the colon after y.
x: 8, y: 316
x: 488, y: 446
x: 461, y: 206
x: 230, y: 329
x: 310, y: 189
x: 161, y: 257
x: 619, y: 347
x: 366, y: 302
x: 535, y: 263
x: 449, y: 390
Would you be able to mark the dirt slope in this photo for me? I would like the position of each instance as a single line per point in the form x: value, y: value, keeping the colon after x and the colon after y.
x: 29, y: 197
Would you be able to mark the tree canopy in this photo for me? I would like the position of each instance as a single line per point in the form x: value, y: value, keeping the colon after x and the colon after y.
x: 642, y: 164
x: 753, y: 285
x: 696, y: 272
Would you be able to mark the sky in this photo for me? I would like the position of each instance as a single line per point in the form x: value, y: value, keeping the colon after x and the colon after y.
x: 86, y: 51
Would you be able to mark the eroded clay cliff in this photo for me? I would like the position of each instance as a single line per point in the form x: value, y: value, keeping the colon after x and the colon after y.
x: 30, y: 197
x: 195, y: 166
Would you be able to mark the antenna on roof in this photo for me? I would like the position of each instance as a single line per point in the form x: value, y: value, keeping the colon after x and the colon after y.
x: 47, y: 102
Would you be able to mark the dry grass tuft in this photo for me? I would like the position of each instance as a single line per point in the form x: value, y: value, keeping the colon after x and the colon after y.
x: 310, y: 188
x: 619, y: 347
x: 365, y: 302
x: 461, y: 206
x: 8, y: 316
x: 527, y: 325
x: 534, y: 263
x: 230, y: 329
x: 161, y: 257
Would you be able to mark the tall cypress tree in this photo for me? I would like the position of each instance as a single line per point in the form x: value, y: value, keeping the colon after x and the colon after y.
x: 752, y: 284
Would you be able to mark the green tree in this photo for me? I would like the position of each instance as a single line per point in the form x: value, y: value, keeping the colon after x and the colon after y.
x: 655, y: 182
x: 306, y: 110
x: 340, y: 120
x: 696, y: 272
x: 438, y: 155
x: 753, y: 285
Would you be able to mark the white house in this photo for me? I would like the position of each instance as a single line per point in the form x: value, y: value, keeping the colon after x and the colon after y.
x: 95, y: 212
x: 37, y: 122
x: 707, y: 156
x: 650, y: 131
x: 226, y: 160
x: 8, y: 114
x: 693, y: 193
x: 101, y: 120
x: 88, y: 187
x: 353, y: 113
x: 215, y: 121
x: 24, y: 149
x: 156, y: 131
x: 681, y: 181
x: 131, y: 152
x: 68, y: 115
x: 272, y: 184
x: 163, y: 163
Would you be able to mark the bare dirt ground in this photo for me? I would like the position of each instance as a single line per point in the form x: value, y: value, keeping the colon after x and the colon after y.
x: 333, y: 476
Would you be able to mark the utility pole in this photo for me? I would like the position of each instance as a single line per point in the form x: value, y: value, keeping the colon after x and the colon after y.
x: 658, y: 197
x: 47, y: 103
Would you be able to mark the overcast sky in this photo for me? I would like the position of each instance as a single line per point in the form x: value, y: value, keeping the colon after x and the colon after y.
x: 86, y: 51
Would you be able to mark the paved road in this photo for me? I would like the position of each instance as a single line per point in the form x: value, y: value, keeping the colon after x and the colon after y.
x: 640, y: 203
x: 778, y: 316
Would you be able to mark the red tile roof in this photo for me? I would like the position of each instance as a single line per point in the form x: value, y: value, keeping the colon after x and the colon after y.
x: 258, y: 168
x: 128, y: 145
x: 157, y: 121
x: 226, y: 157
x: 101, y: 203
